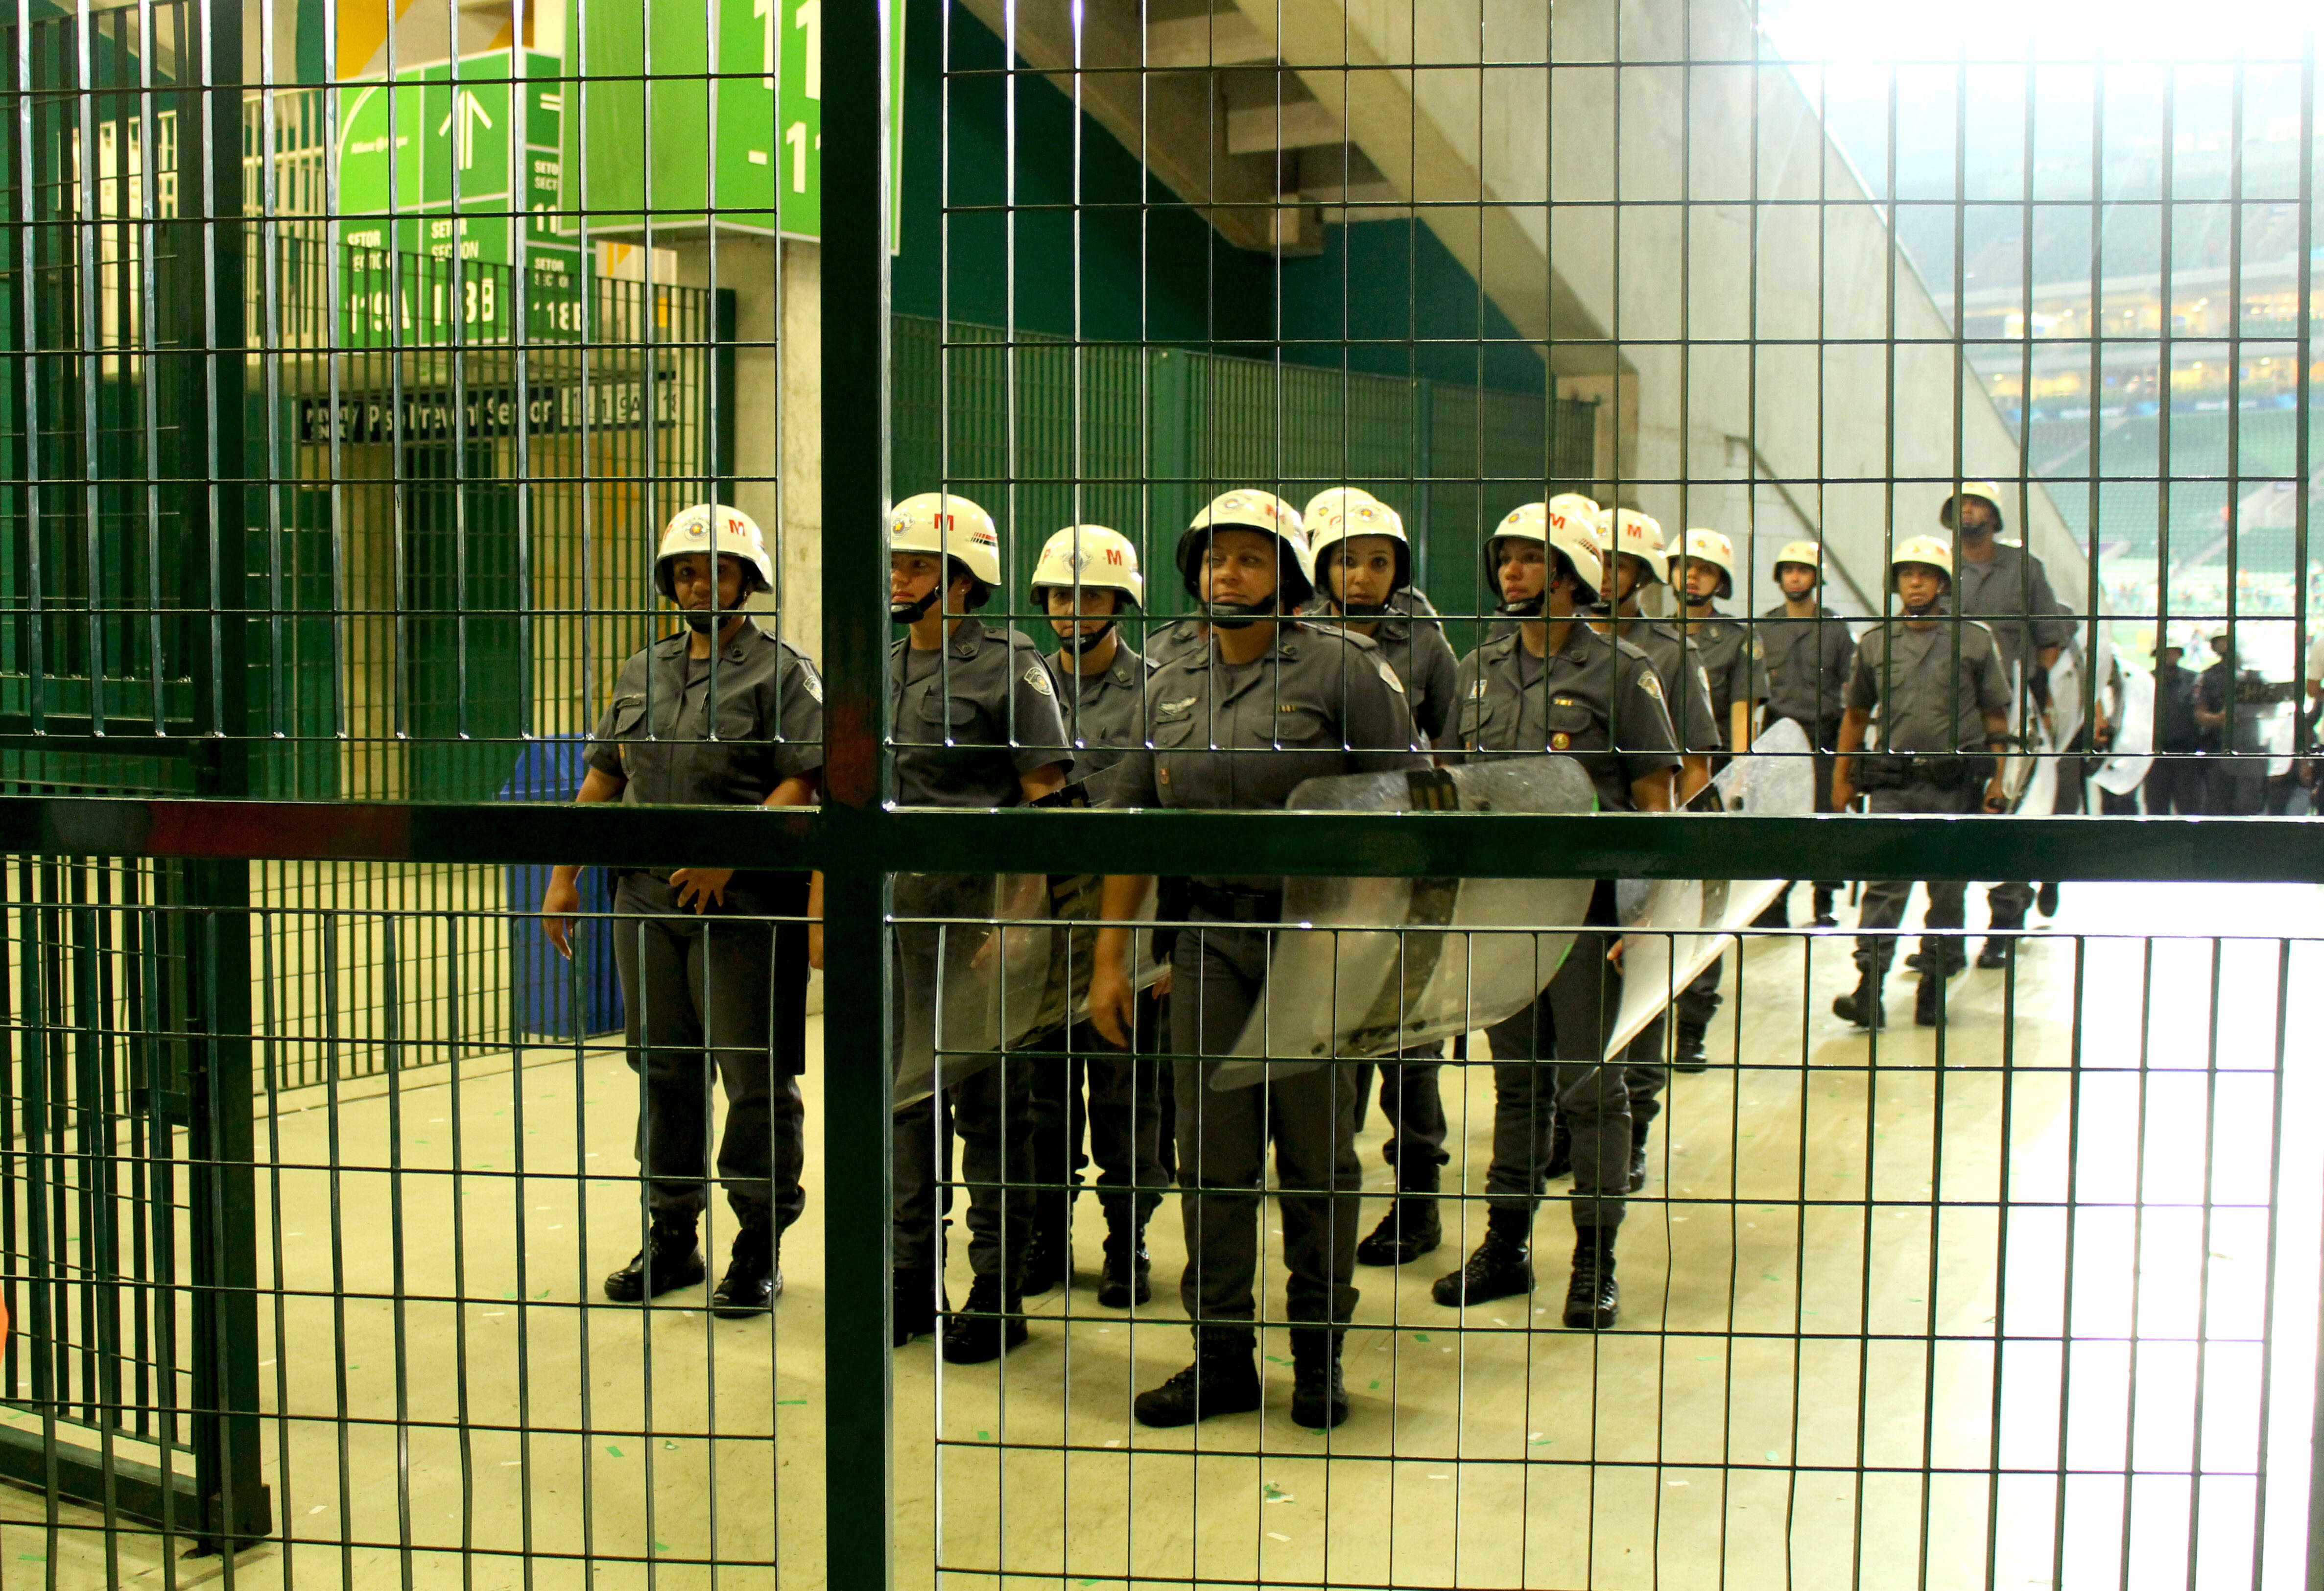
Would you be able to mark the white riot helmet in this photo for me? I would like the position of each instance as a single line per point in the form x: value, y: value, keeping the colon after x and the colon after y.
x: 1806, y: 554
x: 1571, y: 538
x: 716, y: 528
x: 1331, y: 500
x: 1932, y: 551
x: 1949, y: 511
x: 948, y: 523
x: 1091, y: 558
x: 1366, y: 516
x: 1248, y: 509
x: 1709, y: 547
x: 1626, y: 529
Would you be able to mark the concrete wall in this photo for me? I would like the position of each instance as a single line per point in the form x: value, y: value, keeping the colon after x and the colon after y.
x: 1700, y: 251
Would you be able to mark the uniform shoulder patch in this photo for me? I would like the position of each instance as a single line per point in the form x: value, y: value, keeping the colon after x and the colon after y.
x: 1037, y: 677
x: 1652, y: 682
x: 810, y: 680
x: 1387, y: 676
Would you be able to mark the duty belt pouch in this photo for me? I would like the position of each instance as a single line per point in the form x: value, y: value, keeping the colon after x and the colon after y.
x: 1956, y: 772
x: 1882, y: 771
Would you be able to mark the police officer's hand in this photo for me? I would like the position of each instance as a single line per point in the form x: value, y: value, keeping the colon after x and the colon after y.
x: 702, y: 887
x: 815, y: 946
x: 1843, y: 792
x: 1110, y: 1001
x: 559, y: 902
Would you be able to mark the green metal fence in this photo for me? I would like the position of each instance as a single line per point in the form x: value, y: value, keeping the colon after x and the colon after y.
x: 315, y: 1155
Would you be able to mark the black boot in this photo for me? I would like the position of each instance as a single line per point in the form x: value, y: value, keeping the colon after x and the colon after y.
x: 917, y: 1302
x: 1129, y: 1275
x: 1410, y: 1228
x: 1862, y: 1005
x: 1594, y: 1299
x: 1638, y: 1131
x: 2046, y: 900
x: 672, y: 1259
x: 988, y: 1326
x: 1318, y: 1400
x: 754, y: 1273
x: 1501, y: 1268
x: 1824, y: 895
x: 1223, y: 1379
x: 1687, y: 1052
x: 1926, y: 1001
x: 1049, y: 1263
x: 1951, y: 955
x: 1995, y: 955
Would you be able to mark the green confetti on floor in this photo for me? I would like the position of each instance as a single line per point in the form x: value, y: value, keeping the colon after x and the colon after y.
x: 542, y: 1293
x: 661, y: 1547
x: 985, y: 1436
x: 798, y: 1401
x: 616, y: 1452
x: 1375, y: 1386
x: 1540, y: 1441
x: 32, y: 1558
x: 1771, y: 1456
x: 1420, y: 1336
x: 1276, y: 1359
x: 669, y: 1447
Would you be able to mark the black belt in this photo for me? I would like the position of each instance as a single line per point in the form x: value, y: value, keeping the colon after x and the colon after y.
x: 1229, y: 905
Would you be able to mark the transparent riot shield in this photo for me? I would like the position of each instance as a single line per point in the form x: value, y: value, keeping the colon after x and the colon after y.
x: 1367, y: 966
x: 973, y: 953
x: 2030, y: 775
x: 2132, y: 751
x: 1672, y: 928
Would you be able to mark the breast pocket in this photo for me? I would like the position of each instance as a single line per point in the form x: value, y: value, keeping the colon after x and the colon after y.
x: 1301, y: 727
x: 1573, y: 726
x: 1177, y: 734
x: 1483, y: 727
x: 941, y: 716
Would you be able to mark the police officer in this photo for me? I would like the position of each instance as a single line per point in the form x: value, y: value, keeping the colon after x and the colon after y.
x: 1268, y: 703
x: 1702, y: 569
x: 1808, y: 652
x: 1086, y: 580
x: 2235, y: 760
x: 722, y: 713
x: 1942, y: 692
x: 2007, y: 586
x: 1638, y: 561
x: 1554, y: 685
x: 1363, y: 569
x: 975, y: 725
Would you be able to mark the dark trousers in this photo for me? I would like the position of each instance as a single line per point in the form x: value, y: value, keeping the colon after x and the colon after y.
x: 1217, y: 973
x: 2174, y: 787
x: 991, y: 1110
x: 1116, y: 1103
x: 1413, y: 1105
x: 1821, y: 739
x: 716, y: 993
x: 1550, y: 1059
x: 1884, y: 902
x: 2234, y: 787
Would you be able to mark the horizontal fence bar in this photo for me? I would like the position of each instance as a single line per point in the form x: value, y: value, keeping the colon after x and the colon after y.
x: 1388, y: 845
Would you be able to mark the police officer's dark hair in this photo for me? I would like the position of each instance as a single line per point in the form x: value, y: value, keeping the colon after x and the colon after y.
x: 979, y: 593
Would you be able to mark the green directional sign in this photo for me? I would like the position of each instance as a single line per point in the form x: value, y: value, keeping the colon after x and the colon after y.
x: 459, y: 160
x: 730, y: 125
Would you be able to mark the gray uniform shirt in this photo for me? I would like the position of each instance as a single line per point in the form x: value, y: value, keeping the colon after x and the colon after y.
x: 763, y: 699
x: 2012, y: 594
x: 971, y: 717
x: 1416, y: 648
x: 1104, y: 714
x: 1808, y: 662
x: 1595, y: 699
x: 1321, y: 702
x: 1926, y: 703
x: 1732, y: 667
x: 1700, y: 730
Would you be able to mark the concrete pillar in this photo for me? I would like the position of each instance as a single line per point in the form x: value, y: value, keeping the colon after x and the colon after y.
x: 778, y: 419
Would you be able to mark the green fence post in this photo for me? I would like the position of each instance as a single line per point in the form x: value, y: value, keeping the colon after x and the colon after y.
x: 858, y: 1500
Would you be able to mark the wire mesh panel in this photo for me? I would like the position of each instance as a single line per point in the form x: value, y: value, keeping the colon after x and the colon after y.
x: 550, y: 1041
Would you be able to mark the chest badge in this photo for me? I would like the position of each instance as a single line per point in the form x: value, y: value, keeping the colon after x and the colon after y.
x: 1560, y: 741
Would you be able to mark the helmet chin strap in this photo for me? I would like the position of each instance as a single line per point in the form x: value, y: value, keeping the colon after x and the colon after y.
x: 1363, y: 610
x: 1531, y: 607
x: 911, y: 613
x: 1081, y: 642
x: 1237, y: 615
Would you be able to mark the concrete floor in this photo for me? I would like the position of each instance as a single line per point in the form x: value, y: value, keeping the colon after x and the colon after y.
x: 1816, y: 1383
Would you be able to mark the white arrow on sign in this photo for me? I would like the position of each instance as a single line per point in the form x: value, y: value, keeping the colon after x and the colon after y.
x: 469, y: 113
x: 810, y: 18
x: 766, y: 11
